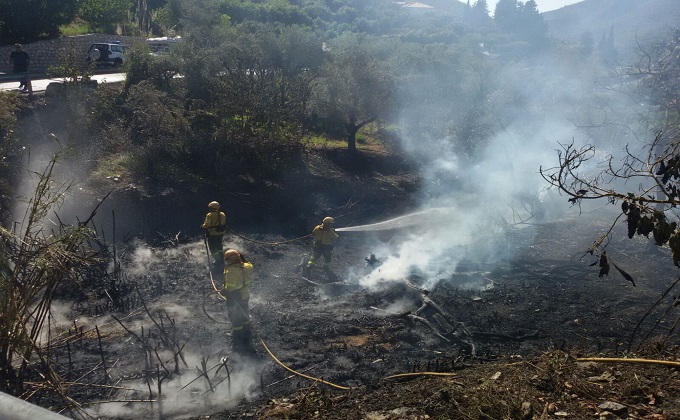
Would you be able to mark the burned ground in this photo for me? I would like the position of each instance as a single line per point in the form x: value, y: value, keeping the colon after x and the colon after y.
x: 498, y: 338
x: 529, y: 319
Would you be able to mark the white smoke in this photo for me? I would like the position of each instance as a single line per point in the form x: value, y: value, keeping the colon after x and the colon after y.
x: 188, y: 394
x: 481, y: 201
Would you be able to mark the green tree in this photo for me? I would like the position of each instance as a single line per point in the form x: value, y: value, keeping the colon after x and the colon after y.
x: 356, y: 87
x: 168, y: 16
x: 146, y: 14
x: 284, y: 12
x: 105, y: 14
x: 479, y: 13
x: 586, y: 44
x: 28, y: 20
x: 505, y: 15
x: 530, y: 26
x: 206, y: 31
x: 606, y: 48
x: 247, y: 87
x: 267, y: 72
x: 482, y: 7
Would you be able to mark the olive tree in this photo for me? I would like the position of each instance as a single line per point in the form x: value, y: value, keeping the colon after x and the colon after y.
x: 356, y: 85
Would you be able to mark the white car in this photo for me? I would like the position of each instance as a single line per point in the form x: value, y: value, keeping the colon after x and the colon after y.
x: 162, y: 46
x: 107, y: 54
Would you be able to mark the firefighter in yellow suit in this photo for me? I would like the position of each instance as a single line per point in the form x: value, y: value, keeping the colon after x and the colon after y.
x: 323, y: 238
x: 237, y: 276
x: 214, y: 225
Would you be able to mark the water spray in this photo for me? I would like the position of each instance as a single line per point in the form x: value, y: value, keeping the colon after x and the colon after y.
x: 426, y: 217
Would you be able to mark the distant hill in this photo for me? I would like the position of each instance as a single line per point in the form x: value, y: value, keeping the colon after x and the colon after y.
x: 649, y: 19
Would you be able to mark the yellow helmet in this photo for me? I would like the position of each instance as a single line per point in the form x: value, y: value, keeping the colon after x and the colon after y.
x: 232, y: 256
x: 328, y: 221
x: 214, y: 205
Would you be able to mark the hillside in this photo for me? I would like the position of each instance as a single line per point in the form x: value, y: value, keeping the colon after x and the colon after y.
x: 644, y: 19
x: 497, y: 267
x: 529, y: 319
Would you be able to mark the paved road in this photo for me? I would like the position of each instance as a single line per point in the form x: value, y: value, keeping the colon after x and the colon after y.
x: 40, y: 82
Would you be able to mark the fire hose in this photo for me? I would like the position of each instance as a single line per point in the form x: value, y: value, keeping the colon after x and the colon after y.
x: 212, y: 281
x: 264, y: 242
x: 216, y: 291
x: 302, y: 374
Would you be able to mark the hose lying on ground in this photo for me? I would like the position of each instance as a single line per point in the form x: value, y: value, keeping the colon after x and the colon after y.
x: 621, y: 360
x: 205, y: 311
x: 301, y: 374
x: 406, y: 375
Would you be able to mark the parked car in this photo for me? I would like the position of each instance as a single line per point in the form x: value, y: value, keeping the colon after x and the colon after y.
x: 164, y: 45
x: 107, y: 54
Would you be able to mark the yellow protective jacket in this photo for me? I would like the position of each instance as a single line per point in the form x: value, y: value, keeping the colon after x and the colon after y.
x: 237, y: 278
x: 324, y: 236
x: 215, y: 223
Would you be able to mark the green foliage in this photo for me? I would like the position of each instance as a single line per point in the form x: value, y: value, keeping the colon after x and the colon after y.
x: 284, y: 12
x: 505, y: 14
x: 141, y: 66
x: 240, y: 11
x: 586, y: 44
x: 356, y: 83
x: 75, y: 28
x: 104, y: 15
x: 523, y: 21
x: 29, y: 20
x: 250, y: 77
x: 71, y: 68
x: 262, y: 153
x: 478, y: 14
x: 10, y: 105
x: 168, y: 15
x: 138, y: 59
x: 606, y: 48
x: 157, y: 132
x: 268, y: 76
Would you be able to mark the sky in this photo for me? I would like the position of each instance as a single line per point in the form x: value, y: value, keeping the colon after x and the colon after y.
x: 543, y: 5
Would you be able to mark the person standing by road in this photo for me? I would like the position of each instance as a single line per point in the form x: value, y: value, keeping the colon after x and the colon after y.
x: 20, y: 61
x: 237, y: 276
x: 323, y: 238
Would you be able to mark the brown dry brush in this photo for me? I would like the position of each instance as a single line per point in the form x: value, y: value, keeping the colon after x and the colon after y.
x: 34, y: 262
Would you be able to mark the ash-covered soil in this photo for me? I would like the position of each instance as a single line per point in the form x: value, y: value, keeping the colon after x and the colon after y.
x: 528, y: 319
x: 495, y: 336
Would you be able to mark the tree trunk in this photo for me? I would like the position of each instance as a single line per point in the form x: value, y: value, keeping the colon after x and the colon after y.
x: 352, y: 137
x: 353, y: 128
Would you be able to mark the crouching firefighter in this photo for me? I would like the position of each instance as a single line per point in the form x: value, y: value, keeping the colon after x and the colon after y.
x: 214, y: 225
x: 323, y: 238
x: 237, y: 275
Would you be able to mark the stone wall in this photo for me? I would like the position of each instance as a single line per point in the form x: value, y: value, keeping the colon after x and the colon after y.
x: 48, y: 53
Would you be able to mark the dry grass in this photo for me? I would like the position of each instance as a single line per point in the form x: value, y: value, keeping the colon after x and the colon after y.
x: 535, y: 388
x: 35, y: 261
